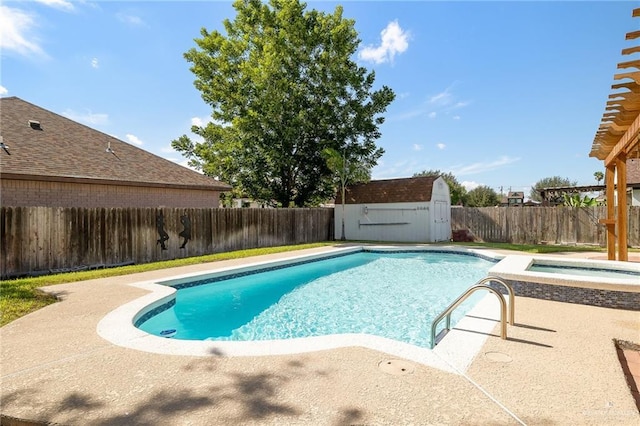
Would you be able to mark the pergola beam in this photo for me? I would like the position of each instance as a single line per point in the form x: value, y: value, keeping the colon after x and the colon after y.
x: 626, y: 142
x: 615, y: 140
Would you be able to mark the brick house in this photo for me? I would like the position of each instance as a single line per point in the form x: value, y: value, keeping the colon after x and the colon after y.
x: 49, y: 160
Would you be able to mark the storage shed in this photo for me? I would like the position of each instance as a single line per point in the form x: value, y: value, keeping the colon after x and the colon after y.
x: 414, y: 209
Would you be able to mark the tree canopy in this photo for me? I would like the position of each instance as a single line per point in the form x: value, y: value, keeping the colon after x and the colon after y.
x: 482, y: 196
x: 598, y: 176
x: 457, y: 191
x: 550, y: 182
x: 283, y: 88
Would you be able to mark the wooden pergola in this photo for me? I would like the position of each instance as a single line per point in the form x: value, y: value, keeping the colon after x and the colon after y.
x: 616, y: 141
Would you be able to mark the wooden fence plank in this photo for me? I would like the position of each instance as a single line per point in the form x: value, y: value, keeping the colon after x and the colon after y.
x: 529, y: 225
x: 34, y: 239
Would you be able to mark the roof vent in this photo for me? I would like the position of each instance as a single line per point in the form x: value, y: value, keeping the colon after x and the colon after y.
x: 35, y: 125
x: 3, y: 146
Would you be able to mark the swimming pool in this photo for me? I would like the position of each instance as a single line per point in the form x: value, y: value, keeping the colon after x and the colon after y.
x: 453, y: 353
x: 391, y: 295
x: 583, y: 271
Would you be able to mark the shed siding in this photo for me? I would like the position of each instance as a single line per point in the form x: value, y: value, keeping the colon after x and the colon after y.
x: 400, y: 222
x: 424, y: 214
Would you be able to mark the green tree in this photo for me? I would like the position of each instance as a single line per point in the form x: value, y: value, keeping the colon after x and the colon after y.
x: 346, y: 170
x: 283, y: 87
x: 482, y: 196
x: 550, y: 182
x: 599, y: 176
x: 457, y: 191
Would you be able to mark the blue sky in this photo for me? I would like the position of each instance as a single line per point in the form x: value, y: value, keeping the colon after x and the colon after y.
x: 500, y: 93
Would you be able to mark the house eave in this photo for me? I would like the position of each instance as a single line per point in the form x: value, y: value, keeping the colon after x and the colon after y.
x: 97, y: 181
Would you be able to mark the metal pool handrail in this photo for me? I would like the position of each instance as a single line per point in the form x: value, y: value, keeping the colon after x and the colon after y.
x: 510, y: 292
x: 480, y: 285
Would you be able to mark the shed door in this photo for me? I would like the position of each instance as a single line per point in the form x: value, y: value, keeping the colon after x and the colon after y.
x: 441, y: 219
x: 441, y: 212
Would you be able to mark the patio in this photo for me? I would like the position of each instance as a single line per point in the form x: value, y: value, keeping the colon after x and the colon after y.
x: 558, y: 366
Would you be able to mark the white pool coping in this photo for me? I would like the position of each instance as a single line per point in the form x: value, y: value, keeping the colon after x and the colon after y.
x: 454, y: 353
x: 451, y: 354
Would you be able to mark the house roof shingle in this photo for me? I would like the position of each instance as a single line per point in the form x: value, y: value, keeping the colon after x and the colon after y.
x: 64, y: 150
x: 403, y: 190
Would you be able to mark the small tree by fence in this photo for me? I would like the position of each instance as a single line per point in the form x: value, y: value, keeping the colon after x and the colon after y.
x: 40, y: 239
x: 535, y: 225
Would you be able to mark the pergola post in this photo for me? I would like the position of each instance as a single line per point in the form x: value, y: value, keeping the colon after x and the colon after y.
x: 610, y: 222
x: 623, y: 215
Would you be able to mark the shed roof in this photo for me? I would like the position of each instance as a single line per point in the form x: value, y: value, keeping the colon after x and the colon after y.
x: 402, y: 190
x: 43, y: 145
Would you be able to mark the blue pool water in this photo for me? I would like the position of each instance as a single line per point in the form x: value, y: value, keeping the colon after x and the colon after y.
x: 583, y: 271
x: 393, y: 295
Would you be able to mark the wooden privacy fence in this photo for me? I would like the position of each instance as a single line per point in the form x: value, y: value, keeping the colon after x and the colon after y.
x: 534, y: 225
x: 42, y: 239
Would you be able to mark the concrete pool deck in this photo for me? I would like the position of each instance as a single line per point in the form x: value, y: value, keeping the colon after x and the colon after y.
x: 558, y: 366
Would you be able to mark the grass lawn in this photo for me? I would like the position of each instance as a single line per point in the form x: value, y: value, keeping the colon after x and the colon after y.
x: 18, y: 297
x: 21, y: 296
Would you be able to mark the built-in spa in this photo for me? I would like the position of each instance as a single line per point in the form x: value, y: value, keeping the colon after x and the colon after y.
x: 604, y: 283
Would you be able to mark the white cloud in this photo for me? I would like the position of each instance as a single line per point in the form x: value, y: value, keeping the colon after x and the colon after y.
x: 130, y: 19
x: 132, y: 139
x: 393, y: 41
x: 470, y: 185
x: 16, y: 32
x: 86, y: 118
x: 407, y: 115
x: 474, y: 168
x: 94, y: 63
x: 197, y: 121
x: 441, y: 146
x: 417, y: 147
x: 3, y: 90
x: 442, y: 98
x: 445, y: 102
x: 403, y: 168
x: 168, y: 150
x: 65, y: 5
